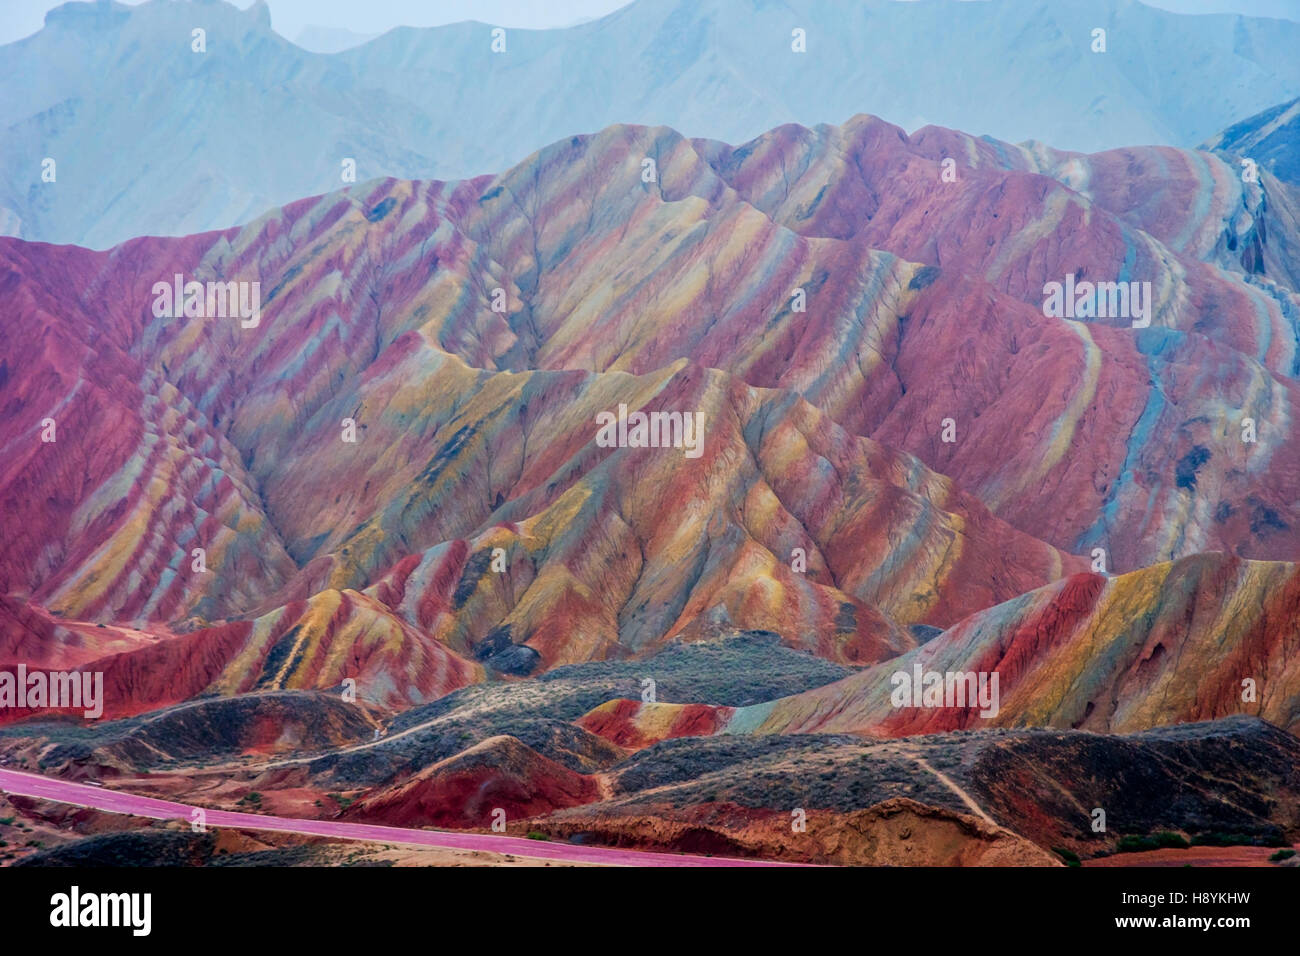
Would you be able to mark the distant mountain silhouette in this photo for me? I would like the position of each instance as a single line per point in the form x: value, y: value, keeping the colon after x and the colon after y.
x: 207, y: 140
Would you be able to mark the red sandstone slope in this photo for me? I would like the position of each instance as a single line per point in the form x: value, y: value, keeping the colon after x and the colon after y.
x: 1018, y: 216
x: 499, y: 773
x: 588, y: 567
x: 476, y: 427
x: 706, y: 271
x: 1199, y: 639
x: 31, y: 635
x: 305, y: 645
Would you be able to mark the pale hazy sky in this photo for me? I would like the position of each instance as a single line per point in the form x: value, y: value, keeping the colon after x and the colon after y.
x: 19, y: 18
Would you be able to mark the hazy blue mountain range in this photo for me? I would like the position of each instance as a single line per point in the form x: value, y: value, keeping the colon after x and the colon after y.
x: 320, y: 39
x: 1270, y: 138
x: 206, y: 140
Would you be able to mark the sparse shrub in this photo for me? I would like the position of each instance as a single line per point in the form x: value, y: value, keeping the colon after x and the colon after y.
x: 1281, y: 855
x: 1161, y: 840
x: 1220, y: 838
x: 1069, y: 856
x: 1132, y: 843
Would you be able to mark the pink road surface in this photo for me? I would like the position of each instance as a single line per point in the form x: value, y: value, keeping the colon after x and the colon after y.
x: 117, y: 801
